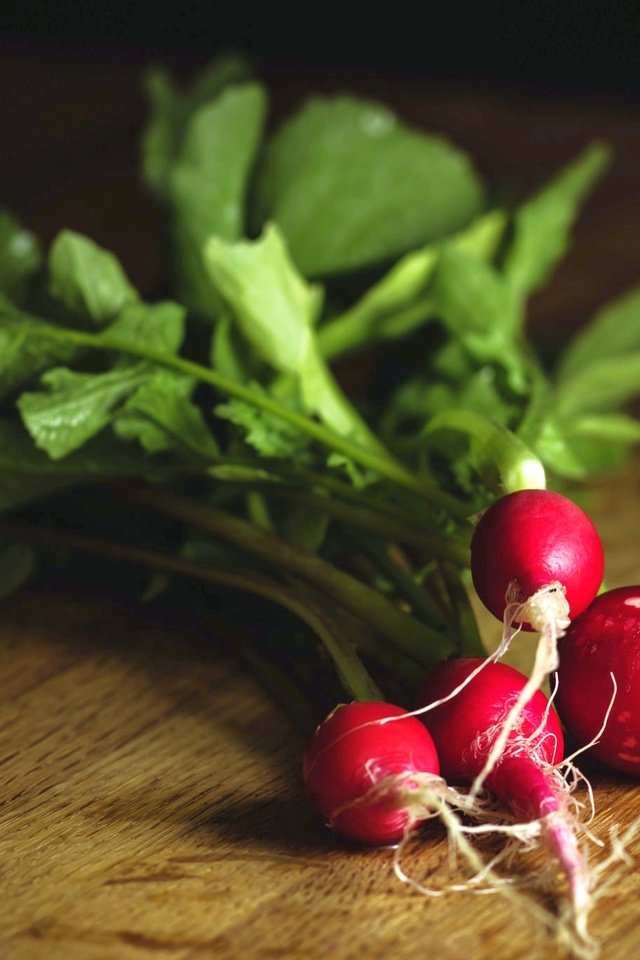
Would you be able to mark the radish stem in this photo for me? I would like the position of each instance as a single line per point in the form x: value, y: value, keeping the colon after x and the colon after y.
x: 419, y: 599
x: 381, y: 462
x: 367, y: 519
x: 424, y: 644
x: 353, y: 674
x: 469, y: 638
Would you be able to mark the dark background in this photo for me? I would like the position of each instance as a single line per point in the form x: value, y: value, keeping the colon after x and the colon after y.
x: 522, y: 86
x: 549, y: 44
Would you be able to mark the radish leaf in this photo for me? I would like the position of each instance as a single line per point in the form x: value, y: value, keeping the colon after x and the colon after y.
x: 480, y: 312
x: 76, y: 406
x: 170, y: 110
x: 159, y: 326
x: 23, y: 353
x: 274, y: 306
x: 88, y: 280
x: 614, y: 331
x: 600, y: 386
x: 399, y: 303
x: 351, y: 186
x: 208, y: 185
x: 19, y: 257
x: 162, y: 416
x: 542, y: 225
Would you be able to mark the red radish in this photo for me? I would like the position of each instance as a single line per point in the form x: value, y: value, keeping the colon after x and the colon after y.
x: 462, y: 728
x: 604, y: 640
x: 466, y: 729
x: 366, y: 778
x: 536, y: 560
x: 529, y: 540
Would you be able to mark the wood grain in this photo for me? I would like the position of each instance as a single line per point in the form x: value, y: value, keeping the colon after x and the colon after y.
x: 150, y: 795
x: 152, y: 806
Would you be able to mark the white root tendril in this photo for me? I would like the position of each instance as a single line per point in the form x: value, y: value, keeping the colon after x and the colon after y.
x: 426, y: 796
x: 596, y: 738
x: 547, y: 611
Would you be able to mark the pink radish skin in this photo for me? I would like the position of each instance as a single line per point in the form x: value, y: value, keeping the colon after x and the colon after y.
x: 604, y: 640
x: 350, y: 754
x: 529, y: 539
x: 464, y: 730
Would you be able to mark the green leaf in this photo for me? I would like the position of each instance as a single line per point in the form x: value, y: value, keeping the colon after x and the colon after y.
x: 88, y: 280
x: 305, y: 526
x: 208, y: 185
x: 162, y: 416
x: 274, y: 307
x: 600, y: 386
x: 614, y: 331
x: 268, y: 434
x: 350, y: 186
x: 276, y: 310
x: 543, y: 224
x: 19, y: 257
x: 23, y: 354
x: 230, y: 355
x: 170, y: 110
x: 573, y: 451
x: 76, y: 406
x: 618, y: 427
x: 399, y: 303
x: 494, y: 452
x: 480, y: 311
x: 242, y: 473
x: 158, y: 326
x: 27, y: 473
x: 161, y: 135
x: 359, y: 477
x: 29, y: 345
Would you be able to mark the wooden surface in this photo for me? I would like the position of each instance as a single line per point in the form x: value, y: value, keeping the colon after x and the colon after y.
x: 151, y: 805
x: 150, y: 799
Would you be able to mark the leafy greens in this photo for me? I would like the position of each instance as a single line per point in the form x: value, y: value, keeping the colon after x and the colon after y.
x: 222, y: 402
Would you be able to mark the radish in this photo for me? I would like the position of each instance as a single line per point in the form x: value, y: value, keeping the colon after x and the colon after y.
x: 525, y: 775
x: 604, y: 641
x: 366, y: 778
x: 536, y: 561
x: 529, y: 541
x: 372, y: 771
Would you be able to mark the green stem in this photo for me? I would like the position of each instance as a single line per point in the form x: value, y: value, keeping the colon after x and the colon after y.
x: 425, y: 645
x: 369, y: 520
x: 283, y: 691
x: 415, y: 595
x: 346, y: 491
x: 321, y: 391
x: 354, y: 328
x: 430, y: 577
x: 404, y: 668
x: 372, y: 507
x: 352, y: 672
x: 493, y: 446
x: 470, y: 641
x: 382, y: 463
x: 258, y: 511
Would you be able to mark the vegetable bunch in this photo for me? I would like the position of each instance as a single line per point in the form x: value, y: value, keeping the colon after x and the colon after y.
x: 207, y: 435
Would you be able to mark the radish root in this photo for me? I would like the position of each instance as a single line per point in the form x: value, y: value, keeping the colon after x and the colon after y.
x: 427, y: 796
x: 547, y: 611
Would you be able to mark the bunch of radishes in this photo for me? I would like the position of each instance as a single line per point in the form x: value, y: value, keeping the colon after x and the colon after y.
x: 374, y: 771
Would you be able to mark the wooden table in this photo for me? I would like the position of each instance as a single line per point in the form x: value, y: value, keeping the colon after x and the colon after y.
x: 152, y: 805
x: 151, y: 798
